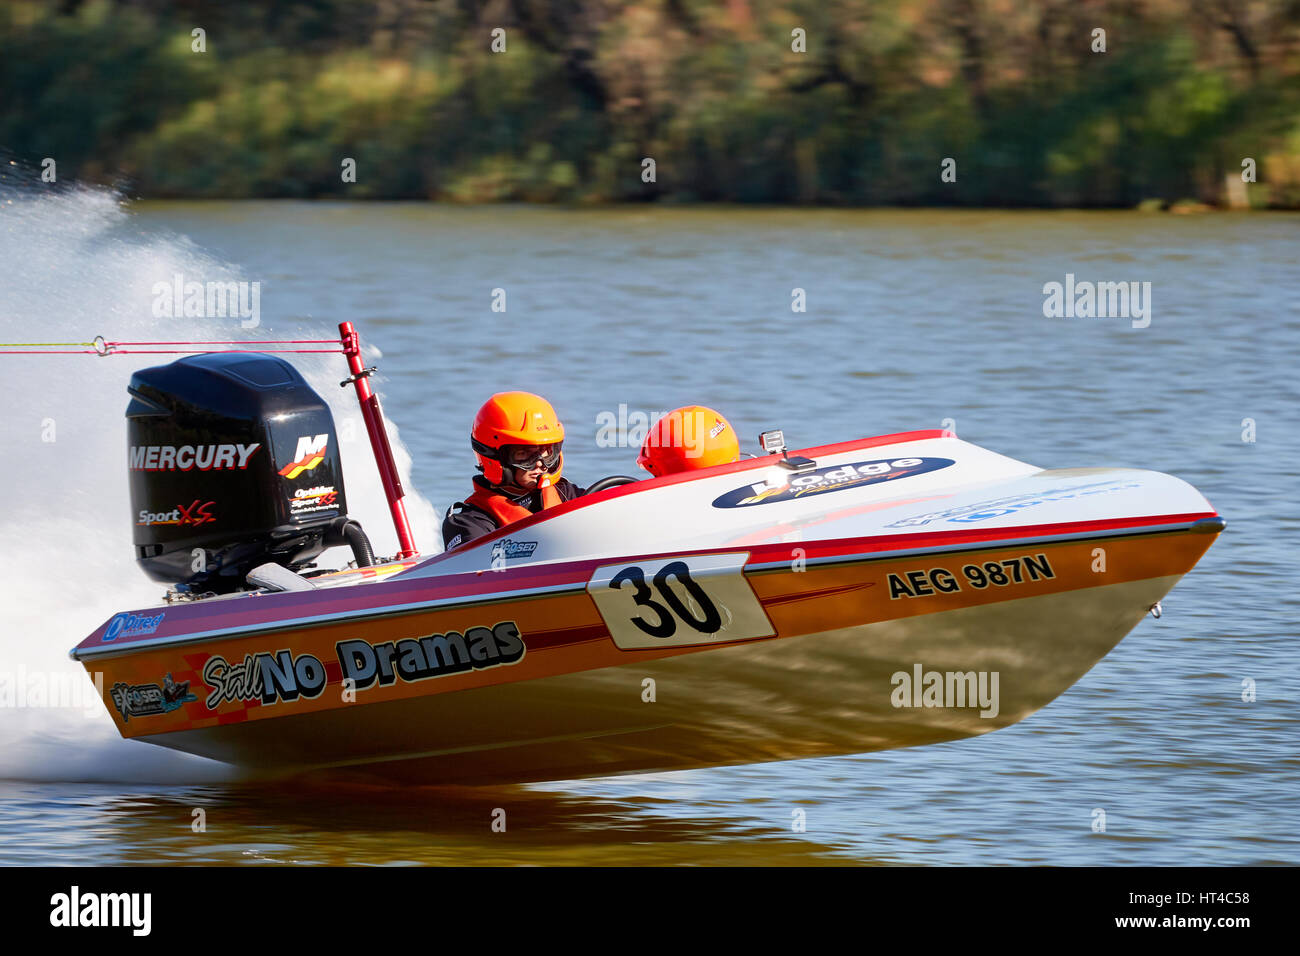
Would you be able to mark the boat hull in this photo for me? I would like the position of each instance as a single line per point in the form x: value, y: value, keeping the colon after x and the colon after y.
x: 864, y: 650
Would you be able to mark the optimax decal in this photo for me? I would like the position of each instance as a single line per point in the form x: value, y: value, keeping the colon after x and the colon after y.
x: 835, y: 478
x: 320, y: 498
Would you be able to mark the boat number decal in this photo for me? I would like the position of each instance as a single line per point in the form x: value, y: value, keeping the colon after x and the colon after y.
x: 680, y: 601
x: 978, y: 576
x: 710, y: 620
x: 785, y: 485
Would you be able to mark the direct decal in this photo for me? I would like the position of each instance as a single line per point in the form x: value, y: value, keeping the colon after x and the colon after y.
x: 132, y: 625
x: 833, y: 478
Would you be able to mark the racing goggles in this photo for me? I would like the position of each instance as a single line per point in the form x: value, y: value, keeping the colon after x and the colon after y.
x: 524, y: 457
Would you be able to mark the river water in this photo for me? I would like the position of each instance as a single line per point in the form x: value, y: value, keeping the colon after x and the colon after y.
x: 913, y: 319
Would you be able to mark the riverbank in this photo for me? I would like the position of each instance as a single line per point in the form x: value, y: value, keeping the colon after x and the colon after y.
x: 929, y: 103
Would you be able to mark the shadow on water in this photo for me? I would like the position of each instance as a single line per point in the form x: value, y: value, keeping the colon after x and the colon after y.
x: 331, y: 824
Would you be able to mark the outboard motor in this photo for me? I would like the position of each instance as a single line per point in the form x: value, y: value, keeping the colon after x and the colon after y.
x: 234, y: 463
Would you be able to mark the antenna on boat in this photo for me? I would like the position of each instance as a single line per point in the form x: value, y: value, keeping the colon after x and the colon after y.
x: 374, y: 418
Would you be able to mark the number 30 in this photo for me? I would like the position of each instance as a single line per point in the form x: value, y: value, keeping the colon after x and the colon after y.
x: 666, y: 624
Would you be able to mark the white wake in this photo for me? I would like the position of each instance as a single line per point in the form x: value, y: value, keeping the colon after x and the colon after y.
x: 78, y: 265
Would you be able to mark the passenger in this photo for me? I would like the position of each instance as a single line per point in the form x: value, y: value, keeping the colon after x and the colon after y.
x: 686, y: 439
x: 518, y: 440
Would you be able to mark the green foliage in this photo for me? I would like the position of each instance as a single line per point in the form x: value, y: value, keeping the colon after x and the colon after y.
x: 714, y: 93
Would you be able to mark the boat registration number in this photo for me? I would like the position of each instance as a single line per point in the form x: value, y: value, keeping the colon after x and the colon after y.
x: 978, y: 576
x: 678, y: 602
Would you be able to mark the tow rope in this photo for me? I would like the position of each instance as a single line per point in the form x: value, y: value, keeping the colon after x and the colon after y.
x: 101, y: 347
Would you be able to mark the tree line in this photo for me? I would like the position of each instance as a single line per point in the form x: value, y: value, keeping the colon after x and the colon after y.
x: 902, y: 102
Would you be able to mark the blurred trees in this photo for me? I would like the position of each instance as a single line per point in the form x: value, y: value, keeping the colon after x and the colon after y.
x: 1013, y: 90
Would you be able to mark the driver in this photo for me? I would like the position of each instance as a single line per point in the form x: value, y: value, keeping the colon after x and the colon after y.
x: 518, y: 440
x: 686, y: 439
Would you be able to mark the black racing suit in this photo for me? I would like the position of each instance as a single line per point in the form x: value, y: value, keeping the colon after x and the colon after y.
x: 464, y: 522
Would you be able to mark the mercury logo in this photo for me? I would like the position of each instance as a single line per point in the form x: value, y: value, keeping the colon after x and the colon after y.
x: 309, y: 454
x: 188, y: 457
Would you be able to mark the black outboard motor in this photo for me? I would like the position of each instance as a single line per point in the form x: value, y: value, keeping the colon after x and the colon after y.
x: 234, y: 462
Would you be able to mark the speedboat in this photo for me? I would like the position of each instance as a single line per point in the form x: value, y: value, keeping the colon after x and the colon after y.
x: 890, y: 591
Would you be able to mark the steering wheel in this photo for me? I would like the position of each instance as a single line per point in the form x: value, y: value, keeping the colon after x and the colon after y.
x: 611, y: 482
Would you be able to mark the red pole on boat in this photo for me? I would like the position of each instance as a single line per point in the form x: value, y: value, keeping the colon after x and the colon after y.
x: 374, y: 417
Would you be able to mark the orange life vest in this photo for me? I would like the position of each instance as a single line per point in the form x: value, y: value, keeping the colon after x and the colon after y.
x: 503, y: 509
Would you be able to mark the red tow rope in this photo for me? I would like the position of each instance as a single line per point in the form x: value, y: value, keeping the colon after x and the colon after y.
x: 100, y: 346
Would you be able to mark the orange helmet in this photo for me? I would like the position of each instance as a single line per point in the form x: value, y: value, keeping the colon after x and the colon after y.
x: 688, y: 438
x: 508, y: 420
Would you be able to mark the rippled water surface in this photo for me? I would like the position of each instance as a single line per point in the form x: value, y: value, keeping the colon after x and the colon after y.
x: 912, y: 318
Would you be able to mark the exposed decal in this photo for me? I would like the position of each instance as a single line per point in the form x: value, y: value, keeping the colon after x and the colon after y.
x: 189, y: 457
x: 508, y: 548
x: 149, y: 700
x: 832, y: 478
x: 997, y: 507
